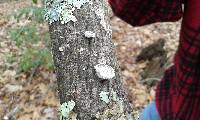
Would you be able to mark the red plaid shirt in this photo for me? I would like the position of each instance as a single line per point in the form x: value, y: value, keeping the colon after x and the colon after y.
x: 178, y: 93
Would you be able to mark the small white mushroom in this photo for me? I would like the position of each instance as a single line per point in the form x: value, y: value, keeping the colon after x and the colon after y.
x: 90, y: 34
x: 62, y: 37
x: 104, y: 71
x: 61, y: 49
x: 81, y: 50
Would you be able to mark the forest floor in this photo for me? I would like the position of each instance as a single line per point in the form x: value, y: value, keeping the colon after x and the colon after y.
x: 32, y: 95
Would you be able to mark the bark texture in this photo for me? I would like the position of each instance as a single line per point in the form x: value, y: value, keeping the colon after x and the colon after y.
x: 75, y: 57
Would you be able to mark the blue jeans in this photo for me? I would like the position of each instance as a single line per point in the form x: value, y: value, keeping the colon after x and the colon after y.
x: 150, y: 113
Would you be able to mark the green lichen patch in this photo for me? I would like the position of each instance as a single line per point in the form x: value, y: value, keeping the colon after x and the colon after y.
x: 66, y: 110
x: 114, y: 109
x: 114, y: 95
x: 62, y: 10
x: 104, y: 96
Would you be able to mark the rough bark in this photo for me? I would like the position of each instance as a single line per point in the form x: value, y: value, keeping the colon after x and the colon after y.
x: 76, y: 76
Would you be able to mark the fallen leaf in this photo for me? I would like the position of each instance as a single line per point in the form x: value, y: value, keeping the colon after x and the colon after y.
x: 51, y: 100
x: 13, y: 88
x: 9, y: 73
x: 49, y: 114
x: 43, y: 88
x: 25, y: 117
x: 36, y: 115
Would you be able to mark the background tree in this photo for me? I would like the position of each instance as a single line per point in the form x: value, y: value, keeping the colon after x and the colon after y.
x: 86, y: 68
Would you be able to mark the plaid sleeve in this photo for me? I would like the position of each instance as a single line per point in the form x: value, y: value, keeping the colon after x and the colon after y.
x: 142, y: 12
x: 178, y: 94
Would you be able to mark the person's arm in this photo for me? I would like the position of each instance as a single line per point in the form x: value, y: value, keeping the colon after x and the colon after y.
x: 142, y: 12
x: 178, y: 93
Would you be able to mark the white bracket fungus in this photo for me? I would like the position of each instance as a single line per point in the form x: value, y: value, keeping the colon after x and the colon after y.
x: 90, y: 34
x: 104, y: 71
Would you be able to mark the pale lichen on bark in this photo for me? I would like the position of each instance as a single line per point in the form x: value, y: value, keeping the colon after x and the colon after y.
x: 100, y: 13
x: 66, y: 110
x: 114, y: 109
x: 62, y: 10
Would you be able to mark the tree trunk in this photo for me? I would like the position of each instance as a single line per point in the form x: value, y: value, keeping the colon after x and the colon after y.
x: 79, y: 55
